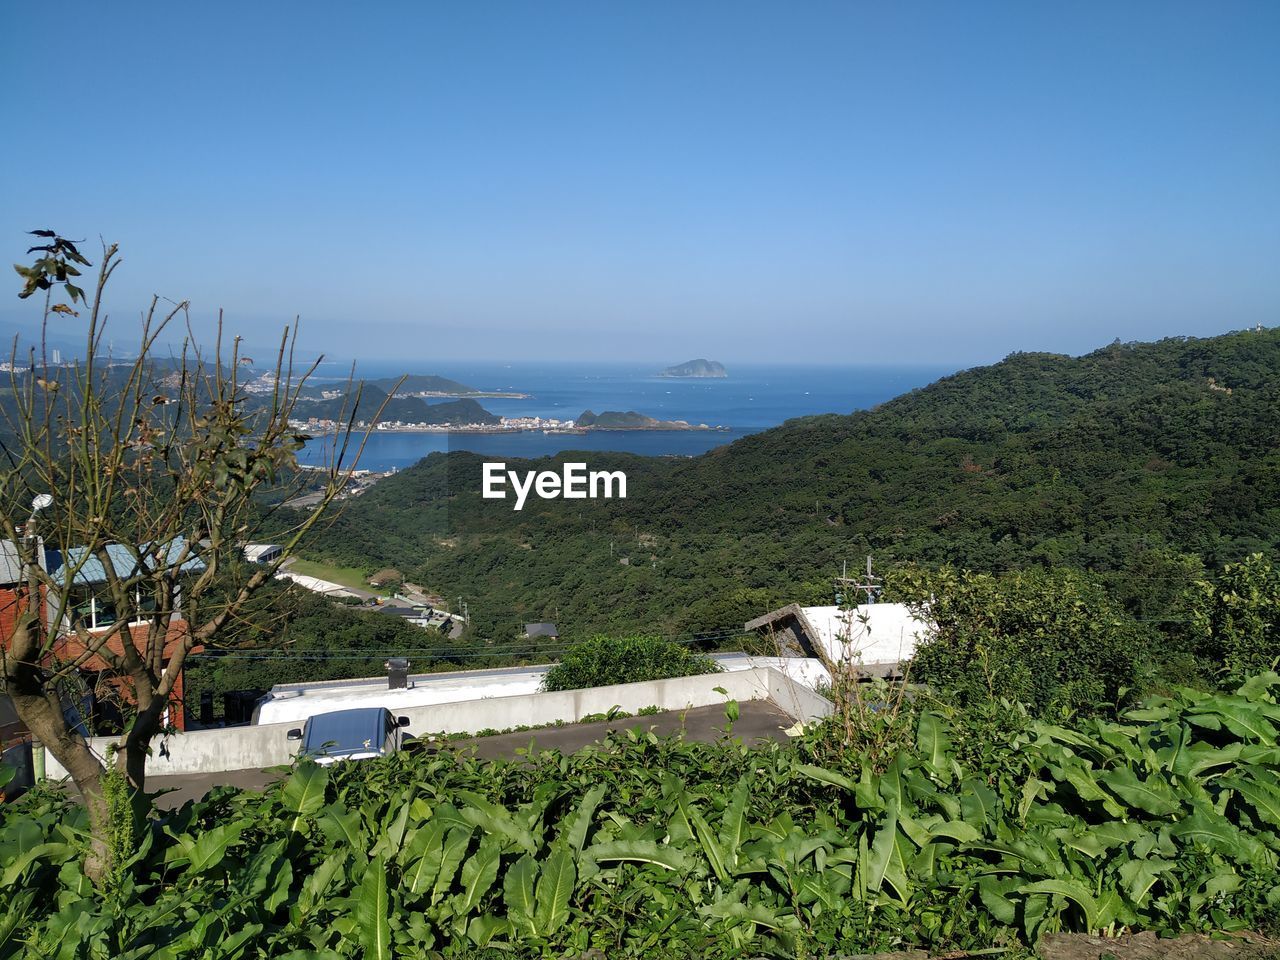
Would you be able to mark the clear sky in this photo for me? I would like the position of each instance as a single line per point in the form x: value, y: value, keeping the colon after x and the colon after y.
x: 848, y: 182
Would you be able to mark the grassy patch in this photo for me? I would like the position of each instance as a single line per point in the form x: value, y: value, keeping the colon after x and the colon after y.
x: 345, y: 576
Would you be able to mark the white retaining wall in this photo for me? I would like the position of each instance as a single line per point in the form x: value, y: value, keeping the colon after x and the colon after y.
x: 267, y: 745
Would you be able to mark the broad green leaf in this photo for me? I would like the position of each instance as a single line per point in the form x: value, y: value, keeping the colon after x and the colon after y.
x: 993, y: 893
x: 303, y: 793
x: 483, y: 929
x: 1263, y: 798
x: 934, y: 746
x: 373, y: 912
x: 211, y: 847
x: 316, y: 887
x: 1243, y: 719
x: 51, y: 852
x: 1154, y: 795
x: 733, y: 824
x: 1213, y: 831
x: 1256, y: 687
x: 341, y: 827
x: 422, y: 872
x: 879, y: 862
x: 555, y: 886
x: 978, y: 804
x: 1031, y: 790
x: 478, y: 874
x: 823, y: 775
x: 518, y: 889
x: 493, y: 819
x: 1199, y: 757
x: 1085, y: 784
x: 574, y: 830
x: 1139, y: 876
x: 640, y: 851
x: 956, y: 830
x: 1072, y: 891
x: 455, y: 848
x: 756, y: 913
x: 710, y: 846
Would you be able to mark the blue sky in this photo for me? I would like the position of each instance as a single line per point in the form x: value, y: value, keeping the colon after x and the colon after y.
x: 886, y: 183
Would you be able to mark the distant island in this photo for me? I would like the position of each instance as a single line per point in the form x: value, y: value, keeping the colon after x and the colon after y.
x: 428, y: 385
x: 697, y: 368
x: 631, y: 420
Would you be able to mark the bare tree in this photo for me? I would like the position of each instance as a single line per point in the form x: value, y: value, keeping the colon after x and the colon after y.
x: 127, y: 493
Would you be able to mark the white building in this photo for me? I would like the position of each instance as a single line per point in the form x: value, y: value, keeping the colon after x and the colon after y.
x: 877, y: 638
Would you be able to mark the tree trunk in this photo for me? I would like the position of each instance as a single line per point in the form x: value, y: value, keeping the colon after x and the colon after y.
x: 49, y: 726
x: 135, y: 746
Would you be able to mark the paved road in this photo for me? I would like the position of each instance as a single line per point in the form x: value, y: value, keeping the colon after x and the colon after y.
x: 758, y: 721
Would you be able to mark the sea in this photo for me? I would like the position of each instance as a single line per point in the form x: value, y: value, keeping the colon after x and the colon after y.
x: 750, y: 399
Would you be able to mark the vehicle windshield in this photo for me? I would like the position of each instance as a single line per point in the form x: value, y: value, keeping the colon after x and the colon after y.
x: 345, y: 732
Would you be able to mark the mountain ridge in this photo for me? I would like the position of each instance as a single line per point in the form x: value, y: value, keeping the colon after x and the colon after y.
x: 1132, y: 454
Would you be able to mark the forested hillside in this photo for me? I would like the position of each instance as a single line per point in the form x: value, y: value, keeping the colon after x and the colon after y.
x: 1120, y: 461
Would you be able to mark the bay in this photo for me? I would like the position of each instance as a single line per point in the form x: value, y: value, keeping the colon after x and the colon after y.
x: 752, y: 398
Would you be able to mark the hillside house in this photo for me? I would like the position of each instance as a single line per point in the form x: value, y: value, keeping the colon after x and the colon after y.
x: 88, y: 605
x: 879, y: 638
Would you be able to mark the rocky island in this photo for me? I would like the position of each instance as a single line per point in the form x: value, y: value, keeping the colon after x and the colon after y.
x: 631, y: 420
x: 711, y: 369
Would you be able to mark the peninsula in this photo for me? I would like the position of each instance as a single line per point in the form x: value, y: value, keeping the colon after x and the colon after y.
x: 429, y: 385
x: 708, y: 369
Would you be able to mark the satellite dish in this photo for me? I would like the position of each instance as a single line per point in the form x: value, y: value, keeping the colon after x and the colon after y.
x: 41, y: 501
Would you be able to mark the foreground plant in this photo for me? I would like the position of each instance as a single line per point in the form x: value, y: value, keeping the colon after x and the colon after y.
x: 1167, y: 819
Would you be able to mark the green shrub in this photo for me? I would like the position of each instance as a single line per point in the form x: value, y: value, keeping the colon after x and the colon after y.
x: 1051, y: 639
x: 1237, y: 622
x: 601, y: 661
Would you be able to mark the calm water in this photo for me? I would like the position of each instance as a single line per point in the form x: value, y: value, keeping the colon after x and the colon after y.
x: 753, y: 398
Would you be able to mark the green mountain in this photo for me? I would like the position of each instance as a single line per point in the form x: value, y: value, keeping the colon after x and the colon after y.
x: 1114, y: 461
x: 415, y: 383
x: 398, y: 408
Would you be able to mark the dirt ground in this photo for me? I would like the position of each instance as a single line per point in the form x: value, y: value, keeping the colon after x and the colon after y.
x: 1137, y: 946
x: 1147, y: 946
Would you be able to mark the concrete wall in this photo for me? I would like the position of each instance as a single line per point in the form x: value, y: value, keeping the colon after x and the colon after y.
x: 205, y: 751
x: 267, y: 745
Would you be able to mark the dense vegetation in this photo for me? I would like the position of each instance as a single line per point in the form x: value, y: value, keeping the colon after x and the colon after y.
x: 987, y: 828
x: 602, y: 661
x: 291, y: 635
x: 1144, y: 463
